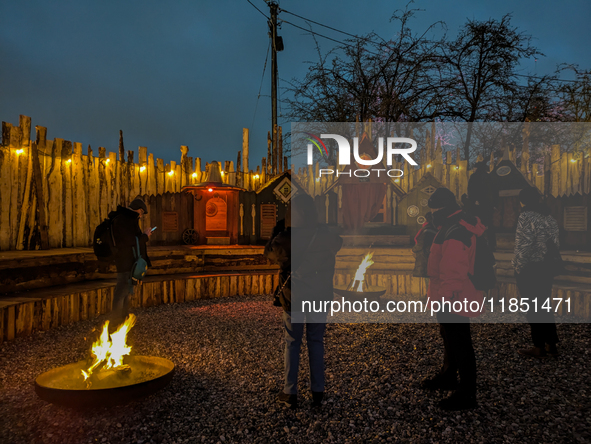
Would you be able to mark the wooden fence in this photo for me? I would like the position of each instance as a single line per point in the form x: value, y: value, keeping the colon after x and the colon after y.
x: 561, y: 174
x: 54, y: 195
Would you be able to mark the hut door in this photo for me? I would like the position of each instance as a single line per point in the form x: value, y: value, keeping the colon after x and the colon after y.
x: 216, y: 215
x: 268, y: 220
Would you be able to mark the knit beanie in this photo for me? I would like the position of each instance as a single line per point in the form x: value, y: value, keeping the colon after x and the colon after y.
x: 441, y: 198
x: 137, y: 204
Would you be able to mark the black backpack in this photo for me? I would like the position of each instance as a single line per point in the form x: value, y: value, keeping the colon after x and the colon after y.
x: 484, y: 277
x: 103, y: 241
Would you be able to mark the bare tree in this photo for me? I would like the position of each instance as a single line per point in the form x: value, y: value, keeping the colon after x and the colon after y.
x: 482, y: 66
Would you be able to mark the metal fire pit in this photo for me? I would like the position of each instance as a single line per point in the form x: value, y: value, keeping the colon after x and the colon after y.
x: 66, y: 386
x: 351, y: 290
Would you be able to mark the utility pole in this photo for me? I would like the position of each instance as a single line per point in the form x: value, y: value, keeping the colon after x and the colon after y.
x: 276, y: 46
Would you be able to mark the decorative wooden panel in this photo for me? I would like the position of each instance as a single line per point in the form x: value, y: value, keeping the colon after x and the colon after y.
x: 268, y: 220
x: 170, y: 221
x: 575, y: 218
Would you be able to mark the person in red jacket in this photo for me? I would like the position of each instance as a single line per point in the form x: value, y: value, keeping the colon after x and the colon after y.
x: 451, y: 262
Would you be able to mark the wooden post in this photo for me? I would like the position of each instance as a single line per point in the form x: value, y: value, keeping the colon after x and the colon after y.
x: 66, y: 161
x: 160, y: 176
x: 245, y: 157
x: 231, y: 174
x: 239, y: 174
x: 39, y: 192
x: 79, y: 220
x: 24, y: 208
x: 185, y: 178
x: 143, y: 172
x: 199, y: 177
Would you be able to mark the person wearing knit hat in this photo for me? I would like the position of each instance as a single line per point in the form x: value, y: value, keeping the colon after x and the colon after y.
x: 138, y: 204
x: 450, y: 264
x: 127, y: 234
x: 536, y: 244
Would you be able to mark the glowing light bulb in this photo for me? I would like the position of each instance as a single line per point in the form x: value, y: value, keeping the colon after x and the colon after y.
x: 19, y: 152
x: 107, y: 161
x: 210, y: 189
x: 142, y: 169
x: 573, y: 161
x: 171, y: 173
x: 194, y: 175
x: 69, y: 161
x: 429, y: 166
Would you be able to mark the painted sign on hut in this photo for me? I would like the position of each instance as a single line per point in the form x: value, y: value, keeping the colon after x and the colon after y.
x: 272, y: 200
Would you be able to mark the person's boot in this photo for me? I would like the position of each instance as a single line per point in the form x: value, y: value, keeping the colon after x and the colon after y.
x: 287, y: 400
x: 534, y: 352
x: 440, y: 382
x: 552, y: 350
x: 459, y: 400
x: 317, y: 398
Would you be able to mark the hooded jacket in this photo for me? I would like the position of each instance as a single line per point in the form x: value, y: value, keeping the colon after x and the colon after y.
x: 535, y: 227
x: 452, y: 258
x: 310, y: 259
x: 125, y: 230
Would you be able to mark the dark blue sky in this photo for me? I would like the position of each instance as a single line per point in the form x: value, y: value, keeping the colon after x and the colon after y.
x: 188, y: 72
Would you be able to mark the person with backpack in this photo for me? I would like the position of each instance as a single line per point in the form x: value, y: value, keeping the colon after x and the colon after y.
x: 127, y: 236
x: 422, y: 247
x: 451, y: 269
x: 535, y: 264
x: 307, y: 265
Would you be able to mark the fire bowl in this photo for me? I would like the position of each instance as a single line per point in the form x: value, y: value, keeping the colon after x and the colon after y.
x: 368, y: 292
x: 66, y: 386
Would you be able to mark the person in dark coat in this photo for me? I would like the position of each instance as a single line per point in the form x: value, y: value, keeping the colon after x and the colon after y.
x: 422, y: 247
x: 536, y: 231
x: 482, y: 198
x: 451, y: 261
x: 126, y: 229
x: 307, y: 266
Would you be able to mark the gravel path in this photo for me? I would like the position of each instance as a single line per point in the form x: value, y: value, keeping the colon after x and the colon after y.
x: 228, y: 357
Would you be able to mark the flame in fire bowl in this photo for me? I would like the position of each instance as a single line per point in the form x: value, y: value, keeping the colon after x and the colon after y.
x: 359, y: 287
x: 66, y: 385
x: 113, y: 377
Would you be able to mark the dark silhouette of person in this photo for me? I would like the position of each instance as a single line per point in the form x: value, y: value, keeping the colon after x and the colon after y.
x: 422, y: 247
x: 126, y: 229
x: 451, y: 261
x: 305, y: 252
x: 482, y: 198
x: 536, y: 235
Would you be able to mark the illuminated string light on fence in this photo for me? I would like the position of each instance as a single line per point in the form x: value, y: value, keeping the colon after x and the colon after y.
x: 19, y: 152
x: 429, y: 166
x: 256, y: 176
x: 573, y: 161
x: 171, y: 173
x: 69, y: 161
x: 107, y: 161
x: 142, y: 169
x: 194, y: 175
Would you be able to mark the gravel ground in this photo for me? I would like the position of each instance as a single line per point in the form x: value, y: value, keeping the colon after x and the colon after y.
x: 228, y: 357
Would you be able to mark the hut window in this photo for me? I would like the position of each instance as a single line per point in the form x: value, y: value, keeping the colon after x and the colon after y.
x: 575, y: 218
x: 268, y: 220
x: 170, y: 221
